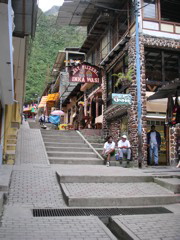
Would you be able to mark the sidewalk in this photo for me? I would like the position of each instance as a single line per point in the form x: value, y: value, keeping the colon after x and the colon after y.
x: 34, y: 185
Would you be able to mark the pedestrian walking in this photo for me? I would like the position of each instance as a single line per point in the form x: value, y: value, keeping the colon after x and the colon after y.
x: 109, y: 150
x: 154, y: 143
x: 41, y: 119
x: 124, y: 148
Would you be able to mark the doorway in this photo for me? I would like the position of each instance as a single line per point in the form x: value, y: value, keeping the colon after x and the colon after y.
x: 164, y: 132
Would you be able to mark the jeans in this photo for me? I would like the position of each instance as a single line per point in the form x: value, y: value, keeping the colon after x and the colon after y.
x: 153, y: 150
x: 125, y: 151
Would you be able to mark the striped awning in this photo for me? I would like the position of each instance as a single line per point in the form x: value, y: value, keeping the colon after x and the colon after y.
x: 43, y: 102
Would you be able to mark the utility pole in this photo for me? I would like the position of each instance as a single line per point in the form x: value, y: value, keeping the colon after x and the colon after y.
x: 138, y: 80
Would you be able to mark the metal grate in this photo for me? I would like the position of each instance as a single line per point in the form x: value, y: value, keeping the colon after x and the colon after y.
x: 100, y: 212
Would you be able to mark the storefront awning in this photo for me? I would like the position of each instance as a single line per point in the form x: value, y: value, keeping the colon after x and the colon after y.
x: 53, y: 97
x: 167, y: 90
x: 43, y: 102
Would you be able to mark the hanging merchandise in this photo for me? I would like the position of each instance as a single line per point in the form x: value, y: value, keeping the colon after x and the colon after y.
x: 176, y: 112
x: 169, y: 112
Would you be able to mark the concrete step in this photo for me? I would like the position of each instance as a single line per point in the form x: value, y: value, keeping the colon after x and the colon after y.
x: 1, y: 202
x: 88, y: 178
x: 12, y: 136
x: 129, y: 227
x: 68, y: 149
x: 74, y: 161
x: 116, y: 194
x: 72, y: 154
x: 173, y: 184
x: 11, y: 141
x: 63, y: 140
x: 98, y: 145
x: 10, y: 156
x: 61, y: 136
x: 57, y: 144
x: 11, y: 146
x: 95, y: 140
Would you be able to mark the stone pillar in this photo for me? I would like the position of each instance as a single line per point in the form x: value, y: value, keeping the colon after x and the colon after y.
x: 132, y: 111
x: 173, y: 144
x: 104, y: 97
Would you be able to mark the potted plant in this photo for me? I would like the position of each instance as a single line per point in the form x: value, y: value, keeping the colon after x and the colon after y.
x: 123, y: 78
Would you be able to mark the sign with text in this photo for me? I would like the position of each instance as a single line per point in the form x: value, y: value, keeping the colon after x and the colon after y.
x: 84, y: 73
x: 121, y: 99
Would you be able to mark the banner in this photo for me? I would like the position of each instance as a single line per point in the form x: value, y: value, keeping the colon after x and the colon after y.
x: 84, y: 73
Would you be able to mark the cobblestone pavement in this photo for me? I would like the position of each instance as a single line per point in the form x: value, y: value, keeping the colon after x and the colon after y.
x: 36, y: 188
x: 66, y: 228
x: 34, y: 185
x: 115, y: 189
x: 150, y: 227
x: 30, y: 147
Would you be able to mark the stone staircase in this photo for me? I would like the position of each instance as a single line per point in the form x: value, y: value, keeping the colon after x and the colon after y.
x: 10, y: 151
x: 95, y: 138
x: 68, y: 147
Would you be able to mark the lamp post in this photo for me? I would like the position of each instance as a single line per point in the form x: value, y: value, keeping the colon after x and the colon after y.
x: 138, y: 80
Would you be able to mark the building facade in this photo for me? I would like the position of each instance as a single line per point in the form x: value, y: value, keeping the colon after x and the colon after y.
x: 110, y: 44
x: 18, y: 22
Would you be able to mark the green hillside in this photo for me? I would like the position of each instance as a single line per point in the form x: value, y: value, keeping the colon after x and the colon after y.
x: 49, y: 39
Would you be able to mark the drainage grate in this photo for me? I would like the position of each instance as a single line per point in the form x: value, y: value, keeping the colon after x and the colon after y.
x: 100, y: 212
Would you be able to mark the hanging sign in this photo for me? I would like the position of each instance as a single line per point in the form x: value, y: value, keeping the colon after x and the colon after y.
x: 84, y: 73
x: 121, y: 99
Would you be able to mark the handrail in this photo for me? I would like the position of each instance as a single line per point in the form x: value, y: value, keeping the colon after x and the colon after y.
x: 94, y: 150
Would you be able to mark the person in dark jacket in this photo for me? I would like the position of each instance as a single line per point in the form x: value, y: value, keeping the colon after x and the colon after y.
x: 154, y: 143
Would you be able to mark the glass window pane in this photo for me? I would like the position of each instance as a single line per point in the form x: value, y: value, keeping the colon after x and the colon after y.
x: 150, y: 8
x: 171, y: 67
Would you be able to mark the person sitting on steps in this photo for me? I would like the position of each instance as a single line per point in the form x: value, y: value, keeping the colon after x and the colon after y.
x: 124, y: 149
x: 109, y: 150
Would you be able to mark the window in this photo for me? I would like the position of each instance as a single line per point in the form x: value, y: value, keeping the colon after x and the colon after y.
x: 121, y: 66
x: 162, y: 65
x: 104, y: 46
x: 150, y: 9
x: 170, y: 10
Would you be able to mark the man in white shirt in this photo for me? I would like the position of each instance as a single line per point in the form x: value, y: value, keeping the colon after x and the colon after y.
x: 124, y: 148
x: 109, y: 150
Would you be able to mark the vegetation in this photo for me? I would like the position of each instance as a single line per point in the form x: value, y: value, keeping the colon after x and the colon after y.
x: 123, y: 78
x: 49, y: 39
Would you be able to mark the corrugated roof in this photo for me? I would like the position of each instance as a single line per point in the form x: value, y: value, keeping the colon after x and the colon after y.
x: 25, y: 17
x: 80, y: 12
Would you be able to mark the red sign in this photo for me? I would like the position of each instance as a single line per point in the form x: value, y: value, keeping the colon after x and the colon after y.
x: 84, y: 73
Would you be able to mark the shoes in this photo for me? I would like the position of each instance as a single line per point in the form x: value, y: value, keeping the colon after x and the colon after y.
x: 120, y: 160
x: 156, y: 164
x: 107, y: 164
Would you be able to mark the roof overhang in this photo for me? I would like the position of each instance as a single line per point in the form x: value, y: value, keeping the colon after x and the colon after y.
x: 6, y: 53
x: 25, y: 17
x: 80, y: 13
x: 170, y: 89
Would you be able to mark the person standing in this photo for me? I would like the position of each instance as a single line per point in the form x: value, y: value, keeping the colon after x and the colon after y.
x: 124, y: 149
x: 109, y: 150
x: 154, y: 143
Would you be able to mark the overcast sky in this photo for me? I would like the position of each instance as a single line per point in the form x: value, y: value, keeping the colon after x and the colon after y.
x: 45, y: 5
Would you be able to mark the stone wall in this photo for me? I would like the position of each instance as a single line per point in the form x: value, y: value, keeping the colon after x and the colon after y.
x: 133, y: 111
x: 173, y: 134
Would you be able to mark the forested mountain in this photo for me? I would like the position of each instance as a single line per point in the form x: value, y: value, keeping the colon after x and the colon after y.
x: 49, y: 39
x: 52, y: 11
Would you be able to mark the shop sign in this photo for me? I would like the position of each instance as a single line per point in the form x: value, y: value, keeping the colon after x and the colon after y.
x: 121, y: 99
x: 84, y: 73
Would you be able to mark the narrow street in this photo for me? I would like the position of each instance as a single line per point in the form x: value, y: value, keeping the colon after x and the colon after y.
x: 35, y: 183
